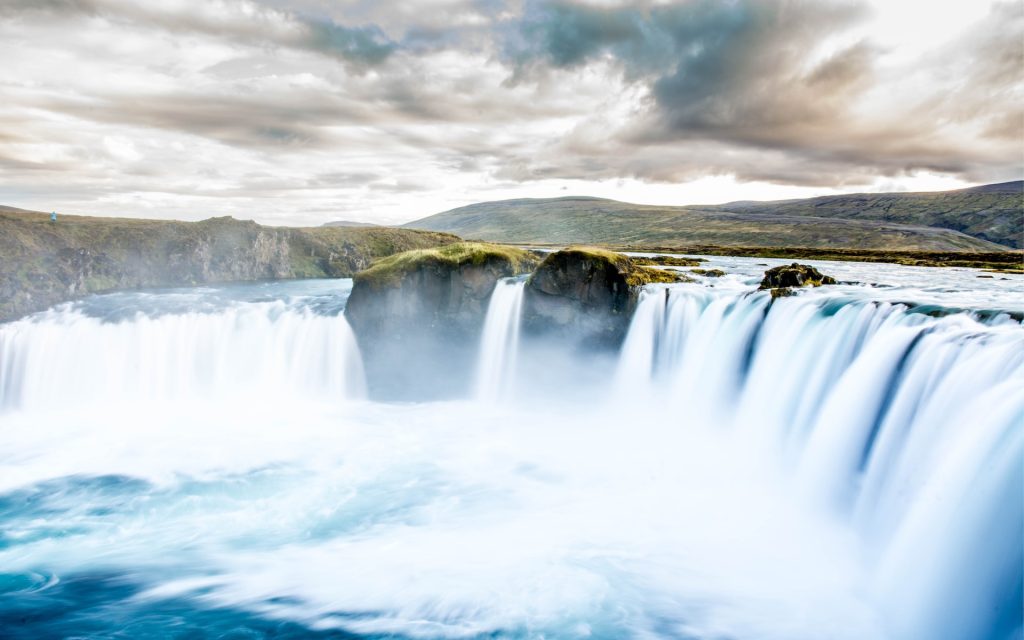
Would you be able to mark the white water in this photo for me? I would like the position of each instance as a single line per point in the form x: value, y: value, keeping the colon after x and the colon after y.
x: 910, y: 428
x: 499, y: 344
x: 825, y: 466
x: 261, y: 350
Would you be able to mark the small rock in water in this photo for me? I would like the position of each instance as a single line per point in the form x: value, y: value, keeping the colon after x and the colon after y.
x: 794, y: 275
x: 709, y: 273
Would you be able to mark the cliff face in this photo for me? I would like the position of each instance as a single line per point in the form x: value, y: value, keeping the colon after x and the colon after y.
x: 43, y: 263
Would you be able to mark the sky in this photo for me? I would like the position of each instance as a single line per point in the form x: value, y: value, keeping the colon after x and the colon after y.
x: 297, y: 112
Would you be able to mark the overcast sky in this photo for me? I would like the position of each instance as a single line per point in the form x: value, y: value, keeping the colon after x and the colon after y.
x: 303, y: 111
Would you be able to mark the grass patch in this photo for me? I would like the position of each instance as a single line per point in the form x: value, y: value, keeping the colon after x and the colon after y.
x: 639, y: 276
x: 390, y: 270
x: 635, y: 274
x: 1012, y: 261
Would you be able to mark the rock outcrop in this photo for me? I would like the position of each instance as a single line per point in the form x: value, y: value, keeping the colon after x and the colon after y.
x: 781, y: 279
x: 418, y: 315
x: 586, y: 297
x: 43, y: 263
x: 708, y: 273
x: 666, y: 261
x: 794, y: 275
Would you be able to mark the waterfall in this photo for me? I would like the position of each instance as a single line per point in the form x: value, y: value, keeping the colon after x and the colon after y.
x: 499, y: 344
x: 822, y: 465
x: 636, y: 364
x: 63, y: 358
x: 909, y: 426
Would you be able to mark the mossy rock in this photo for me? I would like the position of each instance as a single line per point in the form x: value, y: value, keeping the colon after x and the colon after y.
x: 667, y: 261
x: 619, y: 267
x: 418, y: 315
x: 390, y: 271
x: 794, y: 275
x: 708, y: 273
x: 586, y: 295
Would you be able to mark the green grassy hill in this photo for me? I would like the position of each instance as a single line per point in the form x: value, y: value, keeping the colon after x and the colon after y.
x: 992, y: 212
x: 583, y: 220
x: 42, y: 262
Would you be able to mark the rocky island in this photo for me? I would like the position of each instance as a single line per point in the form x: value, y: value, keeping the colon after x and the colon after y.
x: 418, y: 315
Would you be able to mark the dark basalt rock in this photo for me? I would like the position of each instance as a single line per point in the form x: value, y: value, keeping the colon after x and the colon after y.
x: 586, y: 296
x: 794, y: 275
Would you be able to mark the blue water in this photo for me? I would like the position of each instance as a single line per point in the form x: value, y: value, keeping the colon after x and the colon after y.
x: 104, y: 606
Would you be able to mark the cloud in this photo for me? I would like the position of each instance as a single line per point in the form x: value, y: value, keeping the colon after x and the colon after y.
x: 353, y: 104
x: 278, y: 121
x: 244, y: 21
x: 781, y: 81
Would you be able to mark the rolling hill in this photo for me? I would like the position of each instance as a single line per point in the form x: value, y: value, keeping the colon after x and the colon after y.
x: 993, y: 212
x: 348, y: 223
x: 983, y: 219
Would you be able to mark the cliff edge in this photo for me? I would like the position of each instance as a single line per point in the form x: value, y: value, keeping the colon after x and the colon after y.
x: 43, y: 262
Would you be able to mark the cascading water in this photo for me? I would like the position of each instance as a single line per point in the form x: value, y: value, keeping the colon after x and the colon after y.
x: 831, y: 465
x: 499, y: 344
x: 64, y: 358
x: 909, y: 426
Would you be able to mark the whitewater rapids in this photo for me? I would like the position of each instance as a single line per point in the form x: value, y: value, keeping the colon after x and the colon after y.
x: 834, y: 465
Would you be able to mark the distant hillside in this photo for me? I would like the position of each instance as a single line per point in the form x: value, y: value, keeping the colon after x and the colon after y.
x: 348, y: 223
x: 599, y: 221
x: 993, y: 212
x: 42, y: 262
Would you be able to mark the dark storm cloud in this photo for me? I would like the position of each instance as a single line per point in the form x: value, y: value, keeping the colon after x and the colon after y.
x: 566, y: 35
x: 703, y: 41
x: 724, y: 71
x: 744, y: 74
